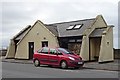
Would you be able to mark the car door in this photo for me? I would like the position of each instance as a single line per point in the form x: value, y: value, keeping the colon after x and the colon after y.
x: 44, y: 56
x: 53, y: 57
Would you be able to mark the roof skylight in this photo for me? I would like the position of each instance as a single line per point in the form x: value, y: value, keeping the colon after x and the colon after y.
x: 70, y: 27
x: 74, y: 27
x: 77, y: 26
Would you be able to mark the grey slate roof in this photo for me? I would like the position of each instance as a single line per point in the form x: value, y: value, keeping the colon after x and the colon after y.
x: 61, y: 27
x: 53, y: 29
x: 22, y: 33
x: 97, y: 32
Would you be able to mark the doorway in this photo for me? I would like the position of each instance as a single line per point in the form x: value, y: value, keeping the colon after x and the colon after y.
x: 31, y: 49
x: 94, y: 48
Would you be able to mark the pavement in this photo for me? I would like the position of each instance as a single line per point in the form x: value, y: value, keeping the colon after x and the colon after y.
x: 111, y: 66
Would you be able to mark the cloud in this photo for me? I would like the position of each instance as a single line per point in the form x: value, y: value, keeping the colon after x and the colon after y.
x: 18, y: 14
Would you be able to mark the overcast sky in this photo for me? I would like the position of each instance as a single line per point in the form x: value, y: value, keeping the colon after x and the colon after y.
x: 16, y: 15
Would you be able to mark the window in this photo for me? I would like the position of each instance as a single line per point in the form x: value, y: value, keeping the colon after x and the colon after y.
x: 59, y: 53
x: 78, y: 26
x: 44, y: 43
x: 79, y: 40
x: 66, y: 51
x: 70, y: 27
x: 39, y: 51
x: 45, y: 50
x: 72, y: 40
x: 53, y: 51
x: 74, y: 27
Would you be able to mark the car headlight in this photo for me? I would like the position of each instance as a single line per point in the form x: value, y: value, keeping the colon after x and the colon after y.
x: 71, y: 58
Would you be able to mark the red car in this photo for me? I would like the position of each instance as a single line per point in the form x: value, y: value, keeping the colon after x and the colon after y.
x: 57, y: 57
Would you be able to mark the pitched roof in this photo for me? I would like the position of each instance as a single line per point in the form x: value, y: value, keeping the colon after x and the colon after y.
x: 97, y: 32
x: 22, y: 33
x: 53, y: 29
x: 62, y: 27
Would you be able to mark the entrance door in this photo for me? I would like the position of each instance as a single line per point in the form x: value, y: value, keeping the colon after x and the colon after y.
x: 31, y: 49
x: 44, y: 43
x: 94, y: 48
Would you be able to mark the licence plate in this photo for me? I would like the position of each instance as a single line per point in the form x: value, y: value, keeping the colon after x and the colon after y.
x: 80, y: 62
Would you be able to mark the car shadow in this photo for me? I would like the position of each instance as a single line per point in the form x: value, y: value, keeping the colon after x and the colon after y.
x: 56, y: 67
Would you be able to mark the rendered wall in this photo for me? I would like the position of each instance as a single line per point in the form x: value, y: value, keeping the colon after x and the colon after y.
x: 37, y: 34
x: 11, y: 50
x: 99, y: 23
x: 84, y: 53
x: 106, y: 53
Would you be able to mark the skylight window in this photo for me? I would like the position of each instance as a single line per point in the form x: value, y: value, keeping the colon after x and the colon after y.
x: 74, y: 27
x: 78, y: 26
x: 70, y: 27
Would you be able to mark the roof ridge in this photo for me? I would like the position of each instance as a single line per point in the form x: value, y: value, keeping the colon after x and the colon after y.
x: 20, y: 32
x: 69, y: 22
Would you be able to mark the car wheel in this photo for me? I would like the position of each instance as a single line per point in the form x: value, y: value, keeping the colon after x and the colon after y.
x: 36, y: 62
x: 63, y: 65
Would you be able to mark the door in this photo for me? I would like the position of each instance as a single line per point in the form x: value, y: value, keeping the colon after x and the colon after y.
x: 44, y: 43
x: 31, y: 49
x: 53, y: 57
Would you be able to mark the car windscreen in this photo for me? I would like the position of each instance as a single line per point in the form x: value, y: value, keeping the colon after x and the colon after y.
x: 66, y: 51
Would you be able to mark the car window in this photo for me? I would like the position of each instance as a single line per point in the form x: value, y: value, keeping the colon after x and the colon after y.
x: 39, y: 51
x: 45, y: 50
x: 53, y: 51
x: 66, y: 51
x: 59, y: 53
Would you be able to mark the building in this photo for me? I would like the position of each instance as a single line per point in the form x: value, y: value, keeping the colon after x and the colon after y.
x: 92, y: 39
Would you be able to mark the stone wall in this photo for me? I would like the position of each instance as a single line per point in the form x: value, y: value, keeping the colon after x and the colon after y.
x: 117, y: 53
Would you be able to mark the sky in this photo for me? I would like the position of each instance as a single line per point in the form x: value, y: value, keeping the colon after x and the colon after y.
x: 17, y: 14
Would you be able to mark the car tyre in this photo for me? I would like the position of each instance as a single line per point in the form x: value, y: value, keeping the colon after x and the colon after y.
x: 63, y: 65
x: 36, y: 62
